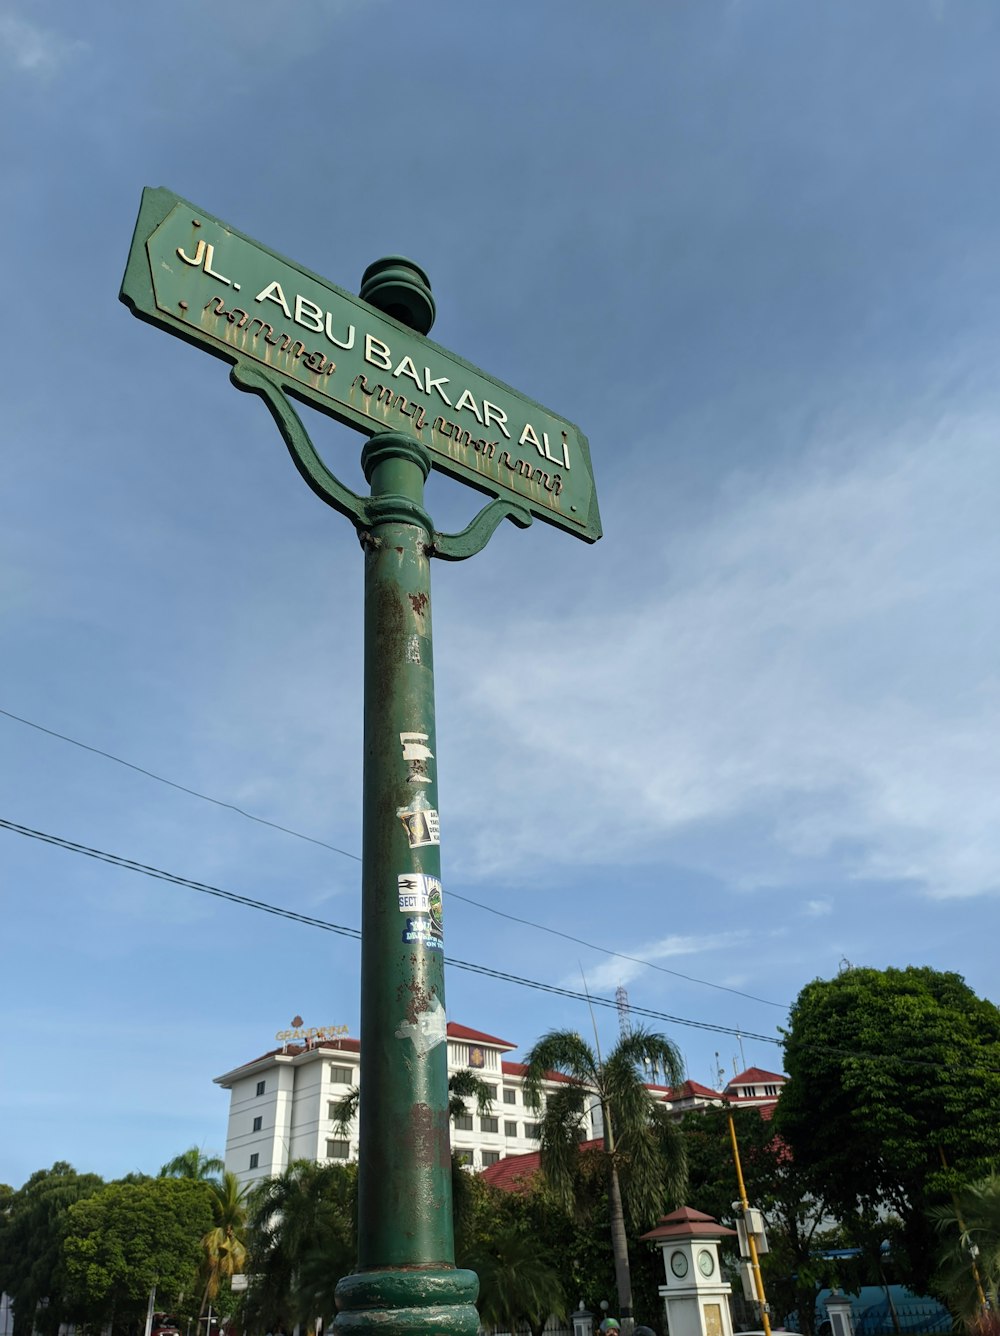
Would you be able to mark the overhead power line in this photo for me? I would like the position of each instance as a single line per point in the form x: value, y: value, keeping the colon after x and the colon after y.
x: 182, y: 788
x: 485, y: 971
x: 478, y: 904
x: 204, y: 888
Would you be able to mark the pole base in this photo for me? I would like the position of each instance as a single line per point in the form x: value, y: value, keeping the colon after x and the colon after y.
x: 418, y: 1301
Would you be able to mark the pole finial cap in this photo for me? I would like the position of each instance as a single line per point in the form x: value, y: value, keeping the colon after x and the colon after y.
x: 401, y: 289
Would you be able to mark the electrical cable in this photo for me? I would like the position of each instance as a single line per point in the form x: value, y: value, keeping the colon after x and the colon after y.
x: 478, y: 904
x: 130, y: 864
x: 194, y: 793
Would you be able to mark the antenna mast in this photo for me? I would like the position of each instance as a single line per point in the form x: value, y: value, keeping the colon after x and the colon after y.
x: 624, y: 1020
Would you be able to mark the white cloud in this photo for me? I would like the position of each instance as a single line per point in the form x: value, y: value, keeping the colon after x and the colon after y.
x: 617, y: 970
x: 35, y: 50
x: 811, y: 678
x: 817, y: 908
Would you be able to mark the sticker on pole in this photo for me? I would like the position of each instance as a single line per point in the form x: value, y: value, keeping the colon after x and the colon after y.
x: 421, y: 823
x: 421, y: 932
x: 418, y: 893
x: 429, y: 1029
x: 416, y: 754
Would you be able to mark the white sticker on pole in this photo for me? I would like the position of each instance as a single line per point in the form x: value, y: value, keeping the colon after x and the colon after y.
x: 416, y: 754
x: 429, y: 1029
x: 418, y: 892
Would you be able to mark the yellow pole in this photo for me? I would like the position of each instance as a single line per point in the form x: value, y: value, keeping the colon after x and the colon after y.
x: 962, y: 1227
x: 758, y: 1279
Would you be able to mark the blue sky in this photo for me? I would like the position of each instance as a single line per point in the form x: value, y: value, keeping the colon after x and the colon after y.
x: 750, y: 247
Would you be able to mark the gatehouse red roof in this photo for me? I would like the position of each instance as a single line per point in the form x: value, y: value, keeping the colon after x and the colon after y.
x: 687, y: 1224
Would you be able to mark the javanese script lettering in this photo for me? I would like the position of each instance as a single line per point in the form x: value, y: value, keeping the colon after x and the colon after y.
x: 295, y: 348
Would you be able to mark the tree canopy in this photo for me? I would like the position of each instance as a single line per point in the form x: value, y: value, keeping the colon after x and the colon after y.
x: 888, y: 1069
x: 31, y: 1253
x: 128, y: 1237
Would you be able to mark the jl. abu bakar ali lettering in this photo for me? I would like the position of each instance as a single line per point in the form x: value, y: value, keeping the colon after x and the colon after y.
x: 377, y: 353
x: 407, y: 379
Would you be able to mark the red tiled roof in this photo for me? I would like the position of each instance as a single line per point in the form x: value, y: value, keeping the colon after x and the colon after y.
x: 519, y: 1069
x: 515, y: 1172
x: 755, y: 1075
x: 690, y: 1089
x: 456, y: 1031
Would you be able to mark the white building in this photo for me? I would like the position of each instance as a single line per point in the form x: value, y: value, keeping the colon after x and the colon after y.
x: 282, y: 1105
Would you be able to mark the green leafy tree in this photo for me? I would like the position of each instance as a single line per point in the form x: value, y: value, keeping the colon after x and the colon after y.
x: 129, y: 1237
x: 301, y: 1238
x: 888, y: 1068
x: 643, y: 1152
x: 193, y: 1163
x: 31, y: 1253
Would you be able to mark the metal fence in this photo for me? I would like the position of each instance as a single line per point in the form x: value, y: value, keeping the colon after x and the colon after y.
x: 925, y: 1316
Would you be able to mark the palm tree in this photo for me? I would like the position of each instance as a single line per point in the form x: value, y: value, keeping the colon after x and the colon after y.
x: 517, y: 1282
x: 970, y: 1228
x: 224, y: 1244
x: 193, y: 1163
x: 301, y: 1240
x: 643, y: 1150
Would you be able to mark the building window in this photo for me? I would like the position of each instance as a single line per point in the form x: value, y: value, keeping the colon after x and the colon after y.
x: 464, y: 1156
x: 509, y: 1096
x: 258, y: 1124
x: 533, y: 1130
x: 489, y: 1125
x: 338, y: 1150
x: 254, y: 1160
x: 261, y: 1085
x: 770, y: 1090
x: 491, y: 1089
x: 340, y: 1075
x: 490, y: 1157
x: 595, y: 1117
x: 463, y: 1122
x: 510, y: 1129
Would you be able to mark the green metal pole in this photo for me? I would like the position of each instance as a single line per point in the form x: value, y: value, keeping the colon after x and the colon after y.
x: 406, y: 1280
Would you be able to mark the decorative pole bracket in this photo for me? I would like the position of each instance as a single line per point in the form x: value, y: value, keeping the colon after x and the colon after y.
x: 359, y: 509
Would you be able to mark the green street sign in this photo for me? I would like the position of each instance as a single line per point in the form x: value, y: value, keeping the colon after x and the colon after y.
x: 198, y: 278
